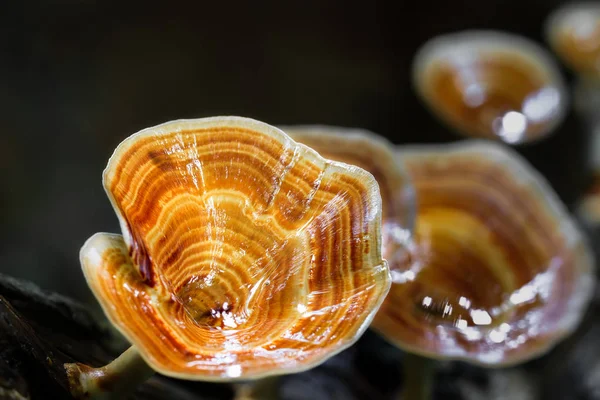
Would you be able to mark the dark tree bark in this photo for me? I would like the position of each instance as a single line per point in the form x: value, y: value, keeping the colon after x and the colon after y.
x: 41, y: 331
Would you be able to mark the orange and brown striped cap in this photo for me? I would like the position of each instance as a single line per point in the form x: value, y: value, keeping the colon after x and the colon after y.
x: 501, y: 272
x: 244, y: 254
x: 375, y: 154
x: 496, y: 271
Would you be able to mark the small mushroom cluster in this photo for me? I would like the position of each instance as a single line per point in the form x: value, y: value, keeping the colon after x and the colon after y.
x: 495, y: 271
x: 248, y: 252
x: 505, y: 87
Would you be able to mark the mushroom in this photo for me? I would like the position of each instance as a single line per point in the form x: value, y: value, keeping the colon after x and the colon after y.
x: 498, y: 272
x: 573, y: 32
x: 490, y: 84
x: 244, y: 255
x: 501, y: 272
x: 588, y: 207
x: 373, y: 153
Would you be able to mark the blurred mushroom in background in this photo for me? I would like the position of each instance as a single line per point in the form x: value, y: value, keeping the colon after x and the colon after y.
x: 501, y: 274
x: 489, y: 84
x: 573, y: 32
x: 498, y: 272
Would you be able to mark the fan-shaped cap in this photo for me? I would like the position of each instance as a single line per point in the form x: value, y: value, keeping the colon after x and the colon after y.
x: 491, y: 85
x: 501, y: 271
x: 573, y: 31
x: 498, y: 272
x: 375, y: 154
x: 244, y: 254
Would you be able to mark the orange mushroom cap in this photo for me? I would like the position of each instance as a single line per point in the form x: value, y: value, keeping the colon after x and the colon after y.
x: 573, y: 31
x: 499, y: 272
x: 373, y: 153
x: 491, y: 84
x: 244, y: 254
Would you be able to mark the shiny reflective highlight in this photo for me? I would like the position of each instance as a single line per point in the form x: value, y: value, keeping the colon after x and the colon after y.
x: 491, y: 85
x: 243, y: 253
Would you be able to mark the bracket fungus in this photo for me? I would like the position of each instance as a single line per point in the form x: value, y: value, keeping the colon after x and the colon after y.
x: 243, y: 255
x: 498, y: 271
x: 573, y: 32
x: 501, y: 272
x: 375, y: 154
x: 490, y: 84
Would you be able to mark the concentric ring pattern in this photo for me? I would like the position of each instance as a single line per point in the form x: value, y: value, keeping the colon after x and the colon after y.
x: 497, y: 273
x: 488, y: 84
x: 375, y: 154
x: 501, y: 272
x: 244, y: 254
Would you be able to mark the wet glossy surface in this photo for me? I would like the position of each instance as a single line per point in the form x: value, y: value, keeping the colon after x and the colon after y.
x: 375, y: 154
x: 494, y: 271
x: 251, y: 254
x: 573, y: 31
x: 500, y: 271
x: 491, y: 85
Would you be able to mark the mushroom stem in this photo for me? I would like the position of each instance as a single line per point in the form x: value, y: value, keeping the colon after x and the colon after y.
x: 262, y: 389
x: 113, y: 381
x: 418, y: 378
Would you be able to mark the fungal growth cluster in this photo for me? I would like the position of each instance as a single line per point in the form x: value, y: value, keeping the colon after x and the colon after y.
x: 497, y: 271
x: 243, y: 255
x: 246, y: 254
